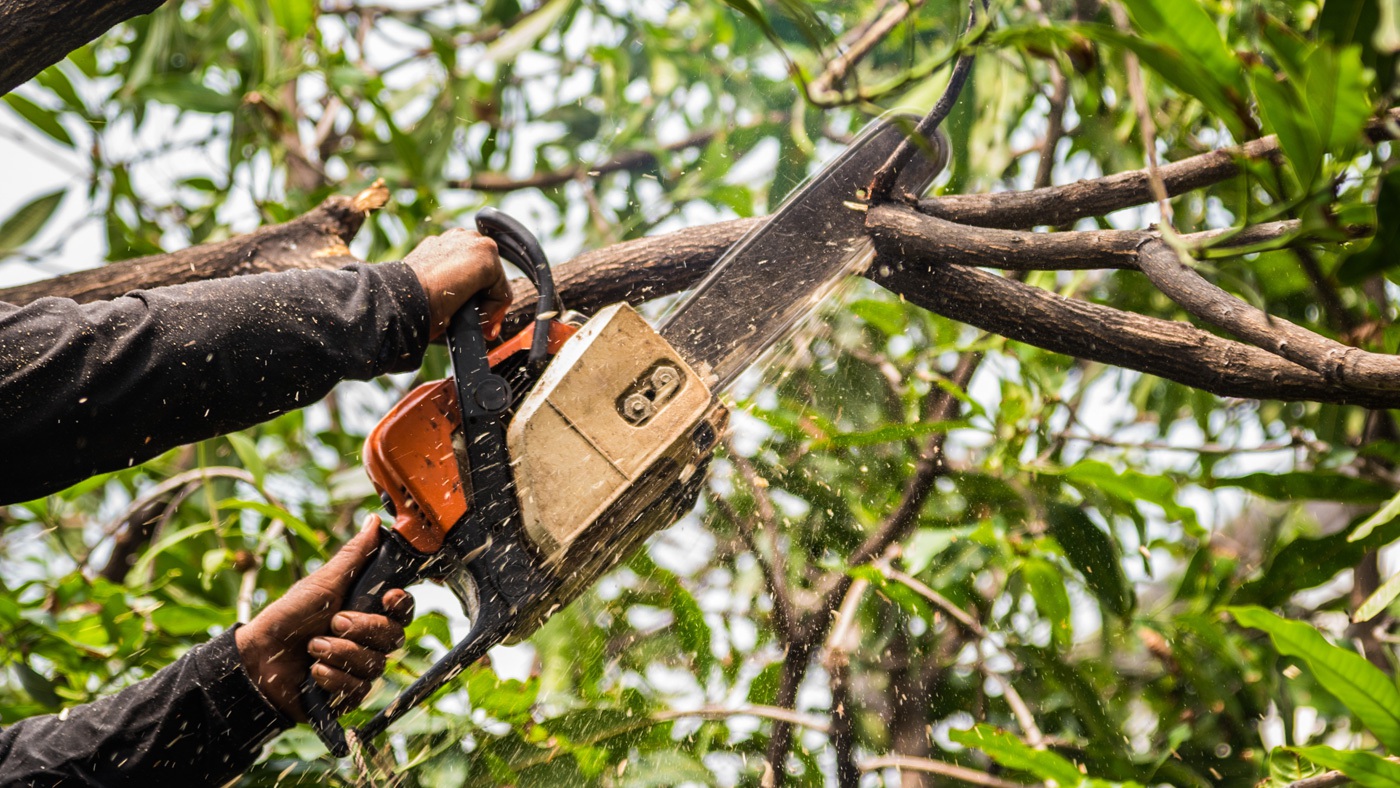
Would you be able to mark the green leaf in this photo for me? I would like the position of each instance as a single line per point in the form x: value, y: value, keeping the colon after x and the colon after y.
x: 248, y: 453
x: 190, y: 619
x: 1383, y: 516
x: 293, y: 16
x: 1095, y: 554
x: 37, y: 686
x: 763, y: 690
x: 1309, y: 486
x: 1378, y: 600
x: 297, y: 525
x: 1011, y: 752
x: 1308, y: 562
x: 926, y: 544
x: 1185, y: 26
x: 26, y: 222
x: 185, y: 93
x: 44, y: 120
x: 891, y: 318
x: 507, y: 700
x: 1287, y: 766
x: 1226, y: 99
x: 524, y: 35
x: 1365, y: 768
x: 143, y: 565
x: 1285, y: 115
x: 1360, y: 686
x: 1047, y: 586
x: 1130, y: 485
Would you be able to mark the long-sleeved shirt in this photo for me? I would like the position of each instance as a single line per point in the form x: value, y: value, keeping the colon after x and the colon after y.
x: 198, y: 722
x: 92, y: 388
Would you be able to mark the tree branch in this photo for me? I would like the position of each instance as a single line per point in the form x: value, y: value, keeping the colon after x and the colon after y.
x: 39, y: 33
x: 316, y: 239
x: 1172, y: 350
x: 1067, y: 204
x: 824, y: 90
x: 1349, y: 366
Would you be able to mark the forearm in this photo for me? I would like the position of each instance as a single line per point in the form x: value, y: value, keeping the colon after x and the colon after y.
x: 199, y: 721
x: 92, y: 388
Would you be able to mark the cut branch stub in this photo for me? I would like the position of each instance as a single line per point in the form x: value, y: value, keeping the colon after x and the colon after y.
x: 316, y: 239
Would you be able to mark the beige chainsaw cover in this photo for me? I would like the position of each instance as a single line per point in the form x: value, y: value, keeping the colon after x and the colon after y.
x: 605, y: 448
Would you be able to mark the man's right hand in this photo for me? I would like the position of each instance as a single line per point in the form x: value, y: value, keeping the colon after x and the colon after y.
x: 452, y: 268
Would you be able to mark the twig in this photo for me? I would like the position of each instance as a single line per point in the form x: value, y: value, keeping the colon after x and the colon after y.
x: 1024, y: 716
x: 1137, y: 92
x: 1054, y: 126
x: 882, y: 183
x: 630, y: 160
x: 822, y: 91
x: 929, y: 766
x: 784, y: 616
x: 941, y: 602
x: 788, y: 716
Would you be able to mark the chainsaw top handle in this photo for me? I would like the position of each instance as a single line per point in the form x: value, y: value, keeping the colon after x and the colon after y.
x: 519, y: 246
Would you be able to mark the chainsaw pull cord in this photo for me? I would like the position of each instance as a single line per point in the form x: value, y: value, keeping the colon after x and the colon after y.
x: 520, y: 247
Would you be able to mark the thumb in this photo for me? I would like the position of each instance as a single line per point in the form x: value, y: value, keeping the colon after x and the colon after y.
x: 339, y: 572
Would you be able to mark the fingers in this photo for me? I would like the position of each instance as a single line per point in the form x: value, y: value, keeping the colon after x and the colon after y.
x: 495, y: 307
x: 347, y: 692
x: 398, y: 605
x: 348, y: 657
x: 367, y: 629
x: 453, y: 267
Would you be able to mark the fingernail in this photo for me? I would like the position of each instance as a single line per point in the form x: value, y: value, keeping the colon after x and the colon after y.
x: 320, y: 644
x: 340, y: 623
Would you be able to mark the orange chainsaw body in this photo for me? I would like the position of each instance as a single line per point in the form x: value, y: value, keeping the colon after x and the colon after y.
x: 412, y: 454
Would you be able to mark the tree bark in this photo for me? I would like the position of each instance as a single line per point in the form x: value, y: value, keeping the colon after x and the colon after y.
x: 316, y: 239
x: 39, y: 33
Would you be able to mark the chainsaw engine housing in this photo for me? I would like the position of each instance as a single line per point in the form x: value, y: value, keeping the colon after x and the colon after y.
x: 607, y: 448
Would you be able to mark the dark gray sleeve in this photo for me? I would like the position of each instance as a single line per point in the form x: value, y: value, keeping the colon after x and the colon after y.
x: 198, y: 722
x: 91, y: 388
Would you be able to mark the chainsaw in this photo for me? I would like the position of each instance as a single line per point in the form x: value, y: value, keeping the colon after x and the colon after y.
x: 544, y: 461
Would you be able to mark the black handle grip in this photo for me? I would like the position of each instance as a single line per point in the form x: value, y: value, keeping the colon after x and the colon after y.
x: 520, y: 246
x: 394, y: 565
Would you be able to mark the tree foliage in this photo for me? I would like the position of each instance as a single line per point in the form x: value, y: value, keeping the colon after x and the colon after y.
x: 920, y: 540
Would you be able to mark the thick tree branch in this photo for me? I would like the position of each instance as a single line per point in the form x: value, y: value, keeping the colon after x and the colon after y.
x: 1335, y: 362
x: 1172, y: 350
x: 316, y: 239
x: 39, y: 33
x: 1064, y: 205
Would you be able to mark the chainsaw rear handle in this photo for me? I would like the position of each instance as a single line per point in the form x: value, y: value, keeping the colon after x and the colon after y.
x: 520, y: 246
x: 393, y: 564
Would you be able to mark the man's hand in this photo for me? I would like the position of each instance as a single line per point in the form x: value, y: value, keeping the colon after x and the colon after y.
x: 349, y: 649
x: 455, y: 266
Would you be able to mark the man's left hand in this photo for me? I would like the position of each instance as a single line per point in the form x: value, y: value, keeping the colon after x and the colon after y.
x: 306, y: 630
